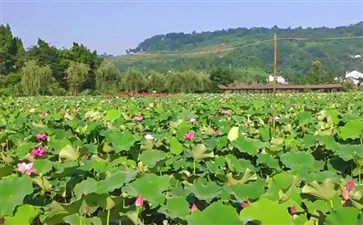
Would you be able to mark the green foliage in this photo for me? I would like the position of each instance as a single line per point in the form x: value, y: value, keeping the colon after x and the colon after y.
x: 81, y: 54
x: 108, y: 79
x: 13, y: 192
x: 175, y: 82
x: 196, y: 82
x: 221, y: 77
x: 217, y: 213
x: 345, y: 216
x: 13, y: 56
x: 11, y: 51
x: 56, y: 89
x: 35, y: 79
x: 10, y: 84
x: 318, y: 75
x: 351, y: 130
x: 348, y: 85
x: 156, y: 82
x: 25, y: 214
x: 77, y: 76
x: 47, y: 55
x: 266, y: 212
x: 187, y: 81
x: 251, y: 75
x: 98, y: 160
x: 134, y: 80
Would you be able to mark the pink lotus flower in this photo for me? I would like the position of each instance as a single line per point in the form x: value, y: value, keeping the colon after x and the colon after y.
x: 189, y: 136
x: 227, y: 112
x: 244, y: 204
x: 350, y: 185
x: 192, y: 120
x: 292, y: 210
x: 38, y: 152
x: 345, y: 195
x: 138, y: 118
x: 194, y: 208
x: 42, y: 137
x: 27, y: 168
x: 139, y: 201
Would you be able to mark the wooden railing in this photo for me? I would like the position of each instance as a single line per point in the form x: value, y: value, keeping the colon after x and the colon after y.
x: 286, y: 88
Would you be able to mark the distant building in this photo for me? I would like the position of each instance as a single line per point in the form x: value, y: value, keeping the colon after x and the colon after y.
x: 279, y: 79
x: 355, y: 76
x: 355, y: 56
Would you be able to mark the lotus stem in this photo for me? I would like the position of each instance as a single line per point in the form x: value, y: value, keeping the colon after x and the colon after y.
x: 359, y: 172
x: 108, y: 217
x: 194, y: 165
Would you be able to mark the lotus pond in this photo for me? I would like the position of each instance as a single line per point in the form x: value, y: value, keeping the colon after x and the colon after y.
x: 182, y: 159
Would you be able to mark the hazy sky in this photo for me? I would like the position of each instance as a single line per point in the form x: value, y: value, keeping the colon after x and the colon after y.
x: 112, y: 26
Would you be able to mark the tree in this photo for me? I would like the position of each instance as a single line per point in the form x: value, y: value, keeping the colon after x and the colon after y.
x: 134, y: 80
x: 175, y: 82
x: 35, y: 79
x: 205, y: 83
x: 194, y: 82
x: 318, y: 75
x: 80, y: 53
x: 13, y: 56
x: 10, y: 85
x: 190, y: 81
x: 315, y: 73
x: 221, y: 77
x: 251, y: 75
x: 156, y: 82
x: 5, y: 45
x: 19, y: 52
x: 51, y: 56
x: 77, y: 76
x: 11, y: 51
x: 107, y: 78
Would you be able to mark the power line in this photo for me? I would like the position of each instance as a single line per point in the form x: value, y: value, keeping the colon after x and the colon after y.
x: 203, y: 52
x: 243, y: 46
x: 317, y: 39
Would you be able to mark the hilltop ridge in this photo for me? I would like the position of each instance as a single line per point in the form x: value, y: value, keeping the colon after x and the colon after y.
x: 250, y: 48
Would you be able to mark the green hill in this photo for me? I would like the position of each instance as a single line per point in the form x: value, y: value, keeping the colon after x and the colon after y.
x: 251, y: 50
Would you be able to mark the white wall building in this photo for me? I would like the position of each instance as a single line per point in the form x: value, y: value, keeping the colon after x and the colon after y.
x: 356, y: 56
x: 279, y: 79
x: 354, y: 76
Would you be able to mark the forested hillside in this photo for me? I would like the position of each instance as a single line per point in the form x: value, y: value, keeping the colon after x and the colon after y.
x: 249, y: 52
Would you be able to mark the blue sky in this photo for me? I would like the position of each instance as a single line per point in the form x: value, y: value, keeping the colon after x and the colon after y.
x: 112, y: 26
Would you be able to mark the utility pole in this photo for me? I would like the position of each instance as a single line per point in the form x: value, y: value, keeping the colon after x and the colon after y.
x: 275, y: 62
x: 274, y: 86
